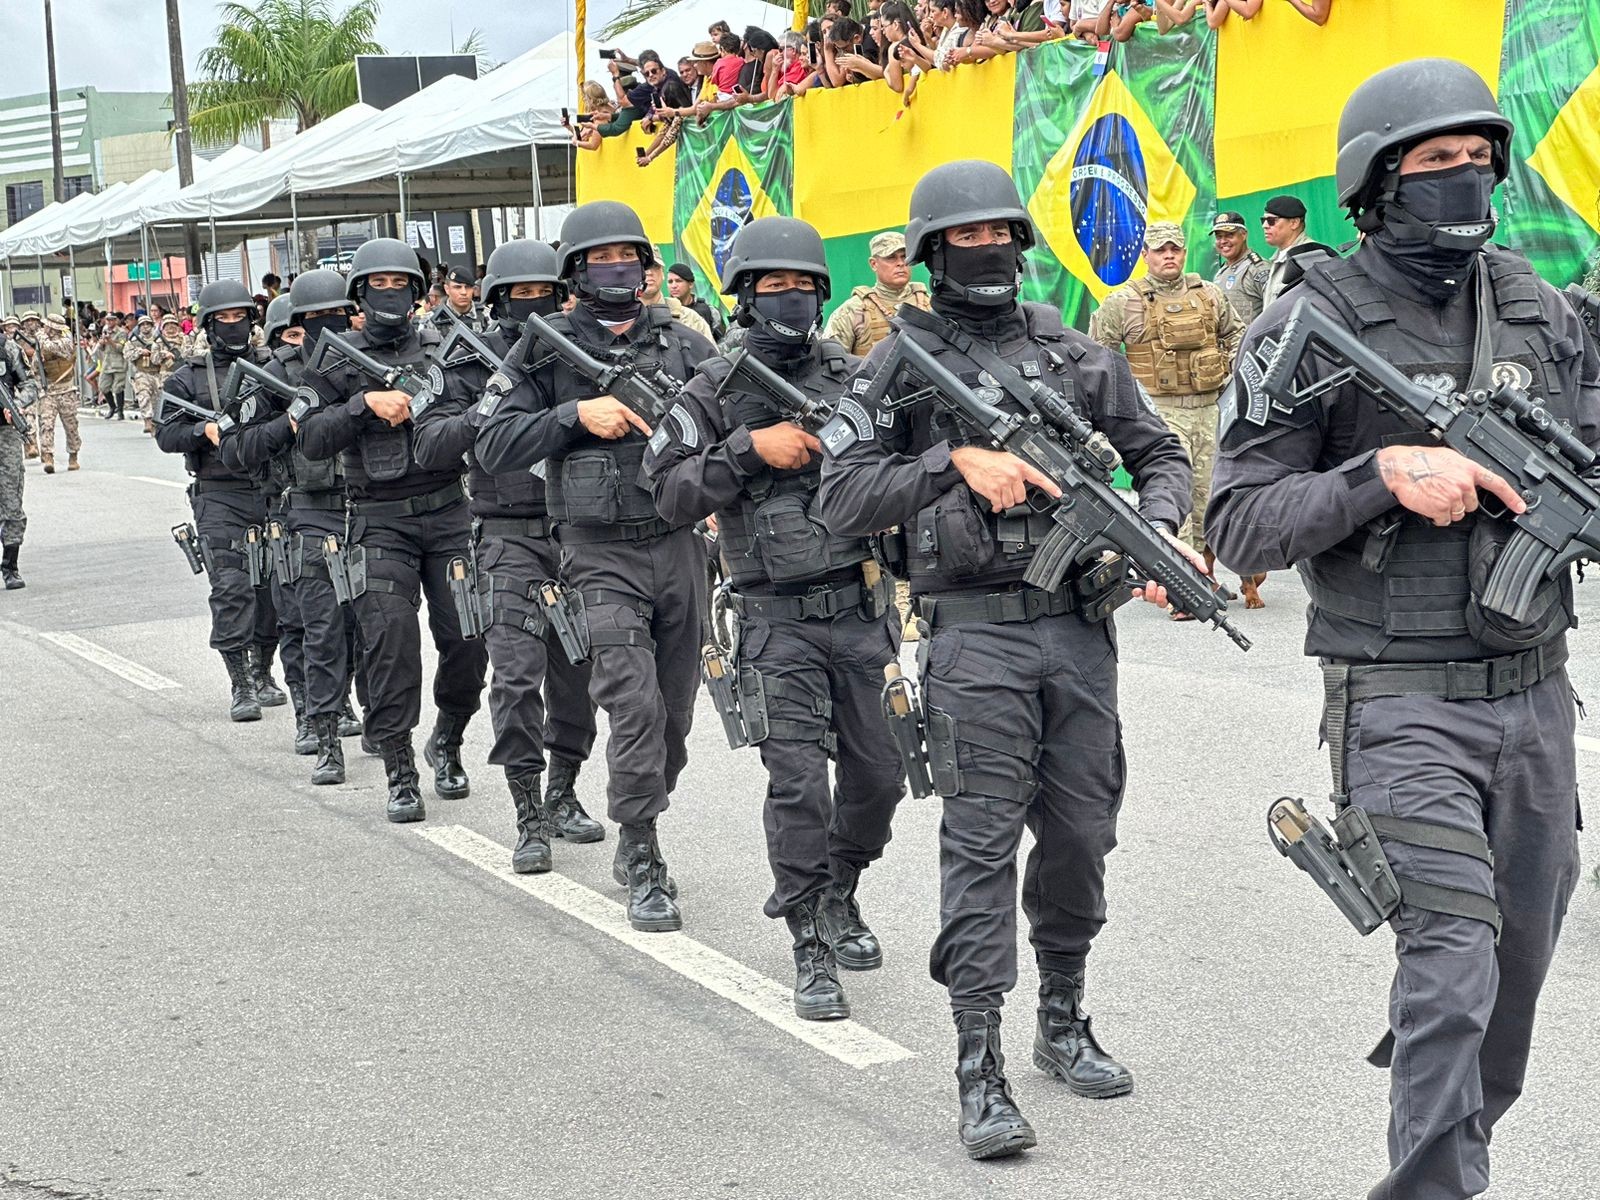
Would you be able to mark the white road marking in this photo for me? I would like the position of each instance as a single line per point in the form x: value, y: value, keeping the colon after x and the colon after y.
x: 115, y: 663
x: 160, y: 482
x: 851, y: 1043
x: 1592, y: 745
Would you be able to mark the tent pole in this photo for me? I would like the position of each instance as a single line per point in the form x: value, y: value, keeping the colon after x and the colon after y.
x: 400, y: 180
x: 38, y: 265
x: 294, y: 245
x: 144, y: 267
x: 77, y: 332
x: 211, y: 218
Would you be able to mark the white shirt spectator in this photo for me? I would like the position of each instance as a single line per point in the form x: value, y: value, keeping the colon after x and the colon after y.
x: 951, y: 39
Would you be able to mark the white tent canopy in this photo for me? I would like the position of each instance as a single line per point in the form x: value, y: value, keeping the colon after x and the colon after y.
x: 46, y: 238
x: 125, y: 215
x: 48, y: 216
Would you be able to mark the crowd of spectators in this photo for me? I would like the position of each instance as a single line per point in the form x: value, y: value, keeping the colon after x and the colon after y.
x: 856, y: 41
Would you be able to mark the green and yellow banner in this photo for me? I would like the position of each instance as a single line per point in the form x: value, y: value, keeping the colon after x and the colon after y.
x: 1174, y: 128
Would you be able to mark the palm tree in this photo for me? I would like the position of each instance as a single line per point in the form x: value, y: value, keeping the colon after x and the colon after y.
x: 280, y: 58
x: 636, y: 11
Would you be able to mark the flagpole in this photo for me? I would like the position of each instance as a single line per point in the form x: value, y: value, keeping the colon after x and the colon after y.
x: 579, y: 19
x: 802, y: 13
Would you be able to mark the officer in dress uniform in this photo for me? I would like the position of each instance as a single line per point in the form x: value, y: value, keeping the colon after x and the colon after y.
x: 1450, y: 727
x: 1024, y: 681
x: 642, y: 578
x: 817, y: 625
x: 538, y: 698
x: 405, y: 525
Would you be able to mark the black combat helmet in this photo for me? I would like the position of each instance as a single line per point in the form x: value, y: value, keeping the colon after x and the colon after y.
x: 277, y: 316
x: 383, y: 256
x: 1401, y: 106
x: 774, y: 244
x: 521, y: 261
x: 316, y: 291
x: 600, y: 223
x: 223, y: 295
x: 961, y: 193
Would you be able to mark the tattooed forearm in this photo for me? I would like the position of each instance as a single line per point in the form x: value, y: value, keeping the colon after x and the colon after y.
x: 1418, y: 469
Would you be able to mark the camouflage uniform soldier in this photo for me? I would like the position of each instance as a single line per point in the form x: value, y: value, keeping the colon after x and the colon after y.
x: 1179, y: 333
x: 150, y: 360
x: 114, y: 368
x: 862, y: 321
x: 13, y: 521
x: 56, y: 355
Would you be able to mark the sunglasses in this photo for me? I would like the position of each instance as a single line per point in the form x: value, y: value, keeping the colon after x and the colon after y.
x: 1270, y: 220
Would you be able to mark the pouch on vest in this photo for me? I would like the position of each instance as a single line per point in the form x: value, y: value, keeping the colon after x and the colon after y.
x: 1552, y: 610
x: 591, y: 486
x: 315, y: 474
x: 789, y: 542
x: 951, y: 537
x: 1181, y: 326
x: 386, y: 453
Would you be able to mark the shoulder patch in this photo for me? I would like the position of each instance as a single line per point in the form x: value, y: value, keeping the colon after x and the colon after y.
x: 488, y: 404
x: 688, y: 431
x: 436, y: 379
x: 849, y: 425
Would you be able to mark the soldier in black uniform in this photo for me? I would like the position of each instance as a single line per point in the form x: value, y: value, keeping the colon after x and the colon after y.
x: 538, y: 699
x: 226, y: 502
x: 1453, y: 730
x: 1027, y: 681
x: 642, y: 578
x: 405, y: 524
x: 814, y: 633
x: 311, y: 508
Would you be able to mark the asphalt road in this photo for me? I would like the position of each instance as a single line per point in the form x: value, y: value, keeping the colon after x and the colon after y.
x: 217, y: 981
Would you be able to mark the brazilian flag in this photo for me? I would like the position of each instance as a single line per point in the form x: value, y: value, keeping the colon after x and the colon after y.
x: 736, y: 167
x: 1099, y: 159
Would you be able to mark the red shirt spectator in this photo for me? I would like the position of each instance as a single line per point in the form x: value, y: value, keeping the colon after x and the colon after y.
x: 725, y: 75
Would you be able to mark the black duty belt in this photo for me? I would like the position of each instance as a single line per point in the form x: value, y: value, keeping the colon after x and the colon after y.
x: 530, y: 527
x: 819, y: 604
x: 997, y: 608
x: 321, y: 501
x: 411, y: 506
x: 640, y: 532
x: 200, y: 487
x: 1484, y: 679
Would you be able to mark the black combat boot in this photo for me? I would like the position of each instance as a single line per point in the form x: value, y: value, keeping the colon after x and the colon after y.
x: 330, y: 750
x: 532, y: 855
x: 817, y: 994
x: 245, y: 705
x: 619, y: 868
x: 650, y: 905
x: 267, y: 689
x: 443, y: 753
x: 8, y: 568
x: 992, y: 1126
x: 305, y: 733
x: 854, y: 945
x: 400, y: 766
x: 1065, y: 1046
x: 349, y: 723
x: 567, y: 818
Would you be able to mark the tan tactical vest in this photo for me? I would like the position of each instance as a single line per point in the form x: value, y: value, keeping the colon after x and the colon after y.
x: 1178, y: 354
x: 872, y: 320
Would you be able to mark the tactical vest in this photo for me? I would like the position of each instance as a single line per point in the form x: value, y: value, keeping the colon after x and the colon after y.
x: 1178, y: 354
x: 772, y: 534
x: 872, y: 326
x: 205, y: 462
x: 513, y: 493
x: 594, y: 482
x: 1404, y: 577
x: 306, y: 476
x: 57, y: 366
x: 384, y: 452
x: 957, y: 542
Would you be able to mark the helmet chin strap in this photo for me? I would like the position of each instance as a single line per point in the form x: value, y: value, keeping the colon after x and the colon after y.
x: 984, y: 295
x: 1458, y: 235
x: 749, y: 315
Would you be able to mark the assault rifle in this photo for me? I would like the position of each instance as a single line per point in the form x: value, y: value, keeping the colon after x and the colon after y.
x: 167, y: 400
x: 463, y: 337
x: 245, y: 379
x: 747, y: 373
x: 1504, y: 430
x: 648, y: 391
x: 332, y: 350
x: 13, y: 409
x: 1090, y: 517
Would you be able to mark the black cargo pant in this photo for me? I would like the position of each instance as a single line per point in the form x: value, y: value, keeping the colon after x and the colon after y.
x: 241, y: 615
x: 1461, y: 1009
x: 538, y: 700
x: 1033, y: 707
x: 328, y: 629
x: 407, y: 556
x: 644, y: 601
x: 290, y: 634
x: 822, y: 679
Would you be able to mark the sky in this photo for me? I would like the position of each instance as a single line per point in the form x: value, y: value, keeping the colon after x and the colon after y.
x: 120, y: 45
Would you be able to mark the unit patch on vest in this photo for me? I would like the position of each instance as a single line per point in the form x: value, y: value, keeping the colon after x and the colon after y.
x: 688, y: 431
x: 488, y: 404
x: 436, y: 379
x: 420, y: 402
x: 845, y: 428
x: 1436, y: 381
x: 247, y: 410
x: 1252, y: 372
x: 1511, y: 374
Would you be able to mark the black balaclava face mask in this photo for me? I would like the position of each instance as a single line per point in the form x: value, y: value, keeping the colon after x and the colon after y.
x: 388, y: 312
x: 1434, y: 227
x: 975, y: 283
x: 611, y: 290
x: 338, y: 322
x: 228, y: 339
x: 783, y: 323
x: 513, y: 313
